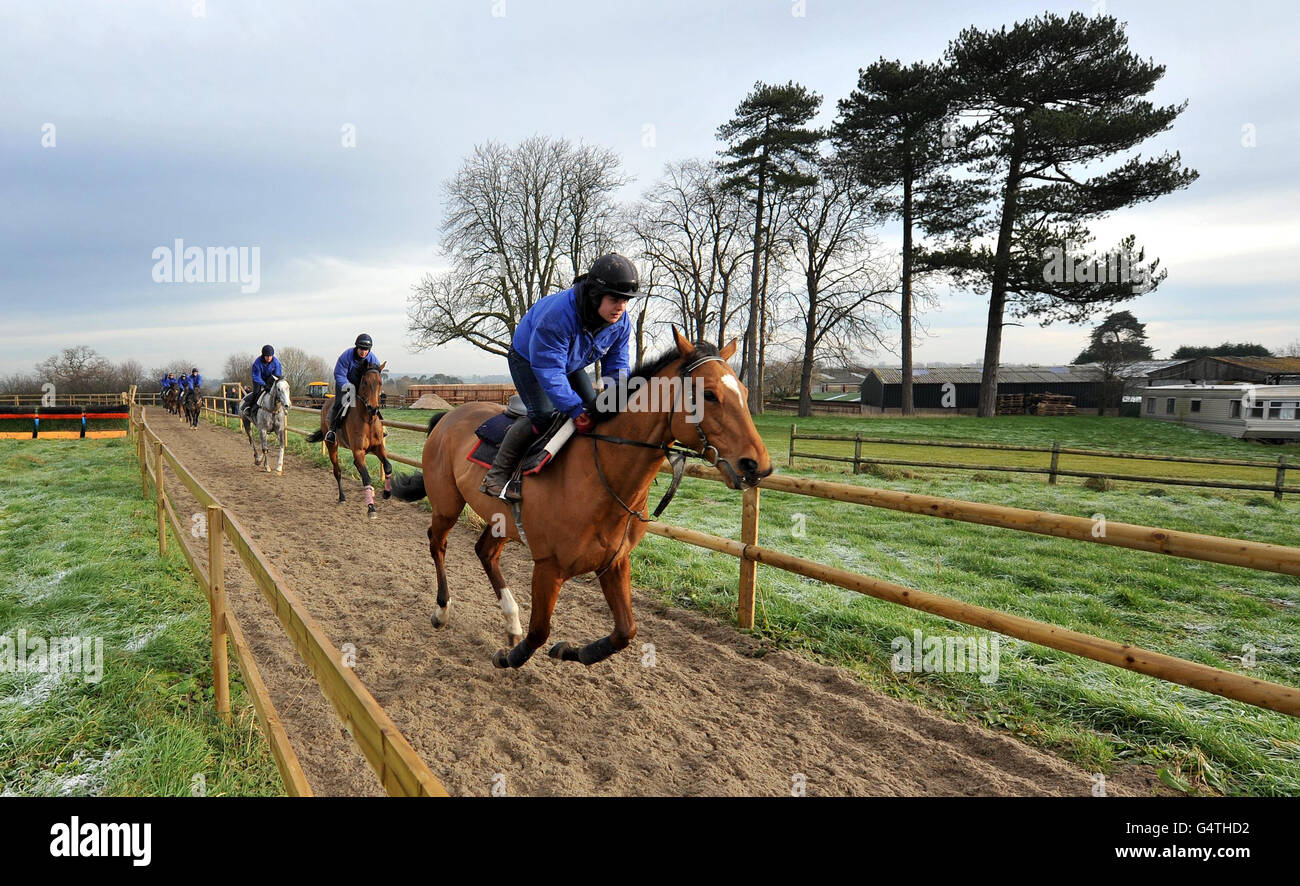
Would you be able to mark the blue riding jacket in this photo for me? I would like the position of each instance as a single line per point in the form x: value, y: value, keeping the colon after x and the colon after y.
x: 264, y: 373
x: 553, y: 340
x: 350, y: 368
x: 194, y: 380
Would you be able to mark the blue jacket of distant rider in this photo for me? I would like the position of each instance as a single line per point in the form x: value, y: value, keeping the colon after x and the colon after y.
x: 552, y: 339
x: 166, y: 382
x: 183, y: 382
x: 349, y: 369
x: 264, y: 373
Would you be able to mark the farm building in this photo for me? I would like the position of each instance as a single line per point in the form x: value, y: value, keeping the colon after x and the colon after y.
x: 1252, y: 412
x: 882, y: 389
x: 1229, y: 370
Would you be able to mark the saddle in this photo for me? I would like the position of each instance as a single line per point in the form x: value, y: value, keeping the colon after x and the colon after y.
x: 539, y: 454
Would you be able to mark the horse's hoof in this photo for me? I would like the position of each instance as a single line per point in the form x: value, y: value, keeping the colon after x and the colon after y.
x: 387, y: 495
x: 501, y: 659
x: 564, y: 651
x: 279, y: 473
x: 439, y: 617
x: 371, y: 512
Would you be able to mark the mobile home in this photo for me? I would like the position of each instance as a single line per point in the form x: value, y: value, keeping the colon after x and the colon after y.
x: 1252, y: 412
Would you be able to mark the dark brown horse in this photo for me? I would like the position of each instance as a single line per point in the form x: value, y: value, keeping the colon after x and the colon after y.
x: 363, y: 433
x: 587, y: 510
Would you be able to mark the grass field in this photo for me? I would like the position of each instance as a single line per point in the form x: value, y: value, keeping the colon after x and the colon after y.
x: 79, y: 558
x: 1101, y: 717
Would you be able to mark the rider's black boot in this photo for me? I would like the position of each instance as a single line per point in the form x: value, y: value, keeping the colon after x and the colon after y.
x: 512, y: 449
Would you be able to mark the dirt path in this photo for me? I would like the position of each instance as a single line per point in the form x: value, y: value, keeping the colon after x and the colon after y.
x: 706, y: 719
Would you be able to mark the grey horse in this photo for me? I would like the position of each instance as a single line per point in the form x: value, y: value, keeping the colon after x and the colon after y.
x: 273, y: 418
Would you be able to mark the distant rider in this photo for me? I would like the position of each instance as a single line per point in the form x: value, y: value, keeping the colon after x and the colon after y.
x: 351, y: 365
x: 266, y: 370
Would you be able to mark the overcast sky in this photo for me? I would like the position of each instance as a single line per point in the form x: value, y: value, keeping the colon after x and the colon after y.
x: 225, y: 129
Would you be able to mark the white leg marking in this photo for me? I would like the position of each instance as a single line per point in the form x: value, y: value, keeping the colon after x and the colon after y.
x: 511, y: 610
x: 440, y: 613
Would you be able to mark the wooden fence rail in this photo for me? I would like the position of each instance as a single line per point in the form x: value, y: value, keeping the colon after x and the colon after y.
x: 1277, y: 487
x: 1255, y: 555
x: 399, y: 768
x: 1235, y: 552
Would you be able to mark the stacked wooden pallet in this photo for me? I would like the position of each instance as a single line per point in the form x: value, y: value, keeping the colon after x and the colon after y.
x: 1036, y: 404
x: 1055, y: 404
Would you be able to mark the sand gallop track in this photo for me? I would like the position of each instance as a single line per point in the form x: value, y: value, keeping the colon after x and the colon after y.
x: 708, y: 718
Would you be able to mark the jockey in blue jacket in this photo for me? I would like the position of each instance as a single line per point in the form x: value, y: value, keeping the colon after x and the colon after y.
x: 265, y: 372
x: 557, y: 339
x: 348, y: 369
x: 194, y: 380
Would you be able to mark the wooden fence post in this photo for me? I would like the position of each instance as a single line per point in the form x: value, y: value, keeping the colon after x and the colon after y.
x: 748, y: 568
x: 1056, y: 455
x: 791, y: 461
x: 217, y: 607
x: 857, y: 453
x: 1281, y: 477
x: 144, y: 464
x: 160, y: 500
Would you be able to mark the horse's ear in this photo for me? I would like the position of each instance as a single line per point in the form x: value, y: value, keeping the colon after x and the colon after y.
x: 684, y: 347
x: 382, y: 365
x: 729, y: 351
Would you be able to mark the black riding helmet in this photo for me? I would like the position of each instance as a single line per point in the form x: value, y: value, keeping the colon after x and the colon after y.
x: 268, y: 351
x: 610, y: 274
x: 363, y: 341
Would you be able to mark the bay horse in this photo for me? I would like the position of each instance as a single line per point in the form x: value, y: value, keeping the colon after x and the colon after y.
x: 272, y: 418
x: 363, y: 433
x: 171, y: 399
x: 588, y: 509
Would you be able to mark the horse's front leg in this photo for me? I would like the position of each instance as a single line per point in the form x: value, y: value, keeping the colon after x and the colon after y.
x: 616, y: 582
x: 546, y: 588
x: 266, y: 459
x: 359, y: 459
x: 279, y: 467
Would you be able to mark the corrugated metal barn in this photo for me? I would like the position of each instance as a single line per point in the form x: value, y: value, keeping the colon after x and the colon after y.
x: 882, y: 389
x: 1222, y: 370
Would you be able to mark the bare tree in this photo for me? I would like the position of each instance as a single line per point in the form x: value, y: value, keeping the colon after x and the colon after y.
x: 302, y: 368
x: 844, y: 281
x: 691, y: 237
x: 520, y: 223
x: 238, y: 367
x: 76, y: 370
x: 1291, y: 350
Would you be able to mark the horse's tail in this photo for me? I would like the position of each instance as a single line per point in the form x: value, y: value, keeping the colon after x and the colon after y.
x: 316, y: 436
x: 409, y: 487
x: 433, y: 421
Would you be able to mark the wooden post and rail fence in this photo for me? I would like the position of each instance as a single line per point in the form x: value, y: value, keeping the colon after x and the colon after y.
x: 400, y: 770
x: 1053, y: 470
x: 1228, y: 551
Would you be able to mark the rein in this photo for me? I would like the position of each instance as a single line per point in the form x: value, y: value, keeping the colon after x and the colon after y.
x: 676, y: 455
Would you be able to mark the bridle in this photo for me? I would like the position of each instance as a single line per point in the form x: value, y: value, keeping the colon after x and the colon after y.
x: 676, y: 456
x: 371, y: 409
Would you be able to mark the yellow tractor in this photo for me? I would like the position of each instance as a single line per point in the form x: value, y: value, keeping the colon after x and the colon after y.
x: 318, y: 394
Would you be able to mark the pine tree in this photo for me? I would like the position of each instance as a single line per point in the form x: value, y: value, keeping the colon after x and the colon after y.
x: 1049, y: 99
x: 768, y: 141
x: 896, y: 134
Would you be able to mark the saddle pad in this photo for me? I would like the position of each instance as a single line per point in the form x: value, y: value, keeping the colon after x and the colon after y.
x: 493, y: 431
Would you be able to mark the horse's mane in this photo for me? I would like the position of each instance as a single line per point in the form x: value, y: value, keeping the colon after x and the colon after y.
x: 655, y: 365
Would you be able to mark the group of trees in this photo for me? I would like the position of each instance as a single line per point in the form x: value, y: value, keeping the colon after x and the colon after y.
x: 988, y: 157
